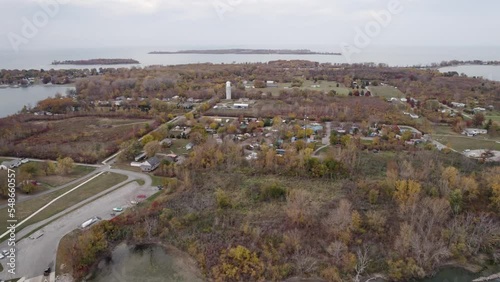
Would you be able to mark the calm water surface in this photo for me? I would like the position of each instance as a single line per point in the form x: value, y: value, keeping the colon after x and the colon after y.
x: 148, y: 264
x: 13, y: 100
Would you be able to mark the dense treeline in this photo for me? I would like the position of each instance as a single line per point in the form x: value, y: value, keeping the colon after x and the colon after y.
x: 207, y: 80
x: 342, y: 218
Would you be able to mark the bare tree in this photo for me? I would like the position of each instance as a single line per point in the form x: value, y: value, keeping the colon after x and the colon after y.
x: 361, y: 263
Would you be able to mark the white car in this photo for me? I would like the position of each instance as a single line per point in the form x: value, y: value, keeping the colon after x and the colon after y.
x: 2, y: 256
x: 23, y: 161
x: 133, y: 202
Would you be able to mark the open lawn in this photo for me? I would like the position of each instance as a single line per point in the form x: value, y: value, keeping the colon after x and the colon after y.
x: 386, y: 91
x: 24, y: 209
x: 461, y: 143
x: 178, y: 147
x: 443, y: 130
x: 58, y: 180
x: 308, y: 84
x: 495, y: 118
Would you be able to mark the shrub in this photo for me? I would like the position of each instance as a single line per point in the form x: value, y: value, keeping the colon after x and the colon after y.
x: 223, y: 200
x: 272, y: 191
x: 373, y: 196
x: 238, y: 264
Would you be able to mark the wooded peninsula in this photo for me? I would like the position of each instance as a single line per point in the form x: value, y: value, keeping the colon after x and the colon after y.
x: 97, y: 62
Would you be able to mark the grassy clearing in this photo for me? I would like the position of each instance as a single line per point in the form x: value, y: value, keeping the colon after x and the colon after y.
x: 58, y: 180
x: 308, y: 84
x: 126, y: 166
x: 443, y: 130
x: 461, y: 143
x: 386, y: 91
x: 493, y: 118
x: 27, y: 208
x: 178, y: 147
x: 157, y: 180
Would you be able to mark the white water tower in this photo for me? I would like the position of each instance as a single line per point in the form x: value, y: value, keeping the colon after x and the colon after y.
x: 228, y: 90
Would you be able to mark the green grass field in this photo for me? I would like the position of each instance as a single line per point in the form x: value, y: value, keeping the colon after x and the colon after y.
x: 386, y: 91
x: 323, y: 86
x: 58, y: 180
x: 443, y: 130
x: 461, y: 143
x: 24, y: 209
x: 493, y: 118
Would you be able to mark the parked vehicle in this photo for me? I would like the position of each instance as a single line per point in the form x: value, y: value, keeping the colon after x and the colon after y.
x: 90, y: 222
x: 46, y: 272
x: 118, y: 209
x: 141, y: 196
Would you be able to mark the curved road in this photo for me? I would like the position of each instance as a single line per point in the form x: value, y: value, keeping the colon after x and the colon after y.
x: 33, y: 256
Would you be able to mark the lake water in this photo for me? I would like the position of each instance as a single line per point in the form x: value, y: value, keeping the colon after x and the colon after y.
x: 13, y: 100
x: 149, y: 264
x: 394, y: 56
x: 488, y: 72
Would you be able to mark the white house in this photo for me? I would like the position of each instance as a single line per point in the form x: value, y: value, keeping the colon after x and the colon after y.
x: 10, y: 164
x: 458, y: 105
x: 151, y: 164
x: 474, y: 131
x: 241, y: 106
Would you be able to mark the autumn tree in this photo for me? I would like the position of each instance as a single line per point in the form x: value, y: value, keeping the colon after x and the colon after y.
x: 300, y: 207
x: 339, y: 221
x: 129, y: 150
x: 478, y: 119
x: 65, y: 165
x: 407, y: 193
x: 238, y: 264
x: 146, y: 139
x: 152, y: 148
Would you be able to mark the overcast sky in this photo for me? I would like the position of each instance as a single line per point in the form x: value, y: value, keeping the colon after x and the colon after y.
x: 253, y: 23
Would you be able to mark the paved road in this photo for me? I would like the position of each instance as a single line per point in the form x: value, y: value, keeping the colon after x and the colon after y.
x: 33, y: 256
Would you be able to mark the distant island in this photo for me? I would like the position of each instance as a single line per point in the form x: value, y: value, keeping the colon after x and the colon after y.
x: 97, y: 62
x: 455, y: 63
x: 248, y: 52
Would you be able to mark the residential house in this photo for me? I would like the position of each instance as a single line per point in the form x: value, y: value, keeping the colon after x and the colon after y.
x: 172, y: 158
x: 479, y: 109
x: 240, y: 106
x: 316, y: 127
x: 458, y: 105
x: 151, y: 164
x: 167, y: 142
x: 10, y: 164
x: 271, y: 84
x: 140, y: 157
x: 474, y: 131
